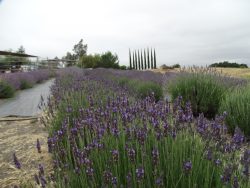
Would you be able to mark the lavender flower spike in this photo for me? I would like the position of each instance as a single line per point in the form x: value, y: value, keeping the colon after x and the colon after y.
x: 17, y: 163
x: 38, y: 146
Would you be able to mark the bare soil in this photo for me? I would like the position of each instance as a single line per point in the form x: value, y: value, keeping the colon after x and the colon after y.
x: 19, y: 135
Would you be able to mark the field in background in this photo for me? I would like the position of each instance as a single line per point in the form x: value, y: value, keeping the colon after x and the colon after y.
x: 235, y: 72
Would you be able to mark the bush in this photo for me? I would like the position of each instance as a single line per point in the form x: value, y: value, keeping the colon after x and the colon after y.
x: 25, y: 84
x: 204, y: 90
x: 6, y: 90
x: 145, y: 89
x: 237, y: 106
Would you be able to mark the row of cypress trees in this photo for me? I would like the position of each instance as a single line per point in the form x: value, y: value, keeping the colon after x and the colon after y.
x: 141, y: 60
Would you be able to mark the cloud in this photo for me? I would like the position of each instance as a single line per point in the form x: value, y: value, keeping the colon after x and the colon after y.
x: 182, y: 31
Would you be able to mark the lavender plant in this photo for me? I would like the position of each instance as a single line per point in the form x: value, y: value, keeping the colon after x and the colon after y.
x: 103, y: 136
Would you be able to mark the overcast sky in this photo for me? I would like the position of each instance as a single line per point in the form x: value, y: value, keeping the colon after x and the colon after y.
x: 188, y: 32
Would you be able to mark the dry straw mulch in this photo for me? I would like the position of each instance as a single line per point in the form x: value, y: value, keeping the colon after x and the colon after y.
x: 19, y: 135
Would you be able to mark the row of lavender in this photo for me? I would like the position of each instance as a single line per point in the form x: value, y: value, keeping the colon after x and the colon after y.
x: 21, y: 80
x: 101, y: 135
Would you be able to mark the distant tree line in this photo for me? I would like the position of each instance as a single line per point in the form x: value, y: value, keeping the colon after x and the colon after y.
x: 227, y: 64
x: 141, y: 60
x: 170, y: 67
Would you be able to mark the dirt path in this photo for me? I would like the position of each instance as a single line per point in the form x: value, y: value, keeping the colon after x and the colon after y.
x: 20, y: 137
x: 25, y: 103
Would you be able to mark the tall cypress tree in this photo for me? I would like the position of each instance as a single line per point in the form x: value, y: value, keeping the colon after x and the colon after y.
x: 136, y: 67
x: 139, y: 60
x: 133, y: 60
x: 154, y: 59
x: 145, y: 60
x: 142, y: 64
x: 130, y: 63
x: 148, y: 60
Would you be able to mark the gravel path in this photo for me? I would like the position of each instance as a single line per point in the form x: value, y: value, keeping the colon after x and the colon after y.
x: 25, y: 103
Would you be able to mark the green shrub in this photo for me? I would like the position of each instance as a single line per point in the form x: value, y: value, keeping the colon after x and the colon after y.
x: 6, y: 90
x: 25, y: 84
x: 204, y: 90
x: 144, y: 89
x: 237, y: 106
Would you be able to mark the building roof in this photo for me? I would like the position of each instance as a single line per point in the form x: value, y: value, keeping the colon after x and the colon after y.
x: 15, y: 54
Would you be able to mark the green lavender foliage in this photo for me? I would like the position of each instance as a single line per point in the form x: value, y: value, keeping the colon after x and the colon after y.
x: 237, y: 106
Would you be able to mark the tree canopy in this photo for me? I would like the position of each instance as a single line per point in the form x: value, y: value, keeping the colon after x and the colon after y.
x: 228, y: 64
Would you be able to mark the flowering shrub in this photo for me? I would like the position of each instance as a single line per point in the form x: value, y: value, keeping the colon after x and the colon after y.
x: 237, y: 105
x: 101, y: 136
x: 204, y: 88
x: 24, y: 80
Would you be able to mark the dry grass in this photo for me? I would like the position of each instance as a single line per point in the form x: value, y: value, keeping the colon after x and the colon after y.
x: 20, y: 136
x: 235, y: 72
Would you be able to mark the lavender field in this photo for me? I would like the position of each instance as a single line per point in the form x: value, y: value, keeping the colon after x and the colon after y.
x: 112, y: 128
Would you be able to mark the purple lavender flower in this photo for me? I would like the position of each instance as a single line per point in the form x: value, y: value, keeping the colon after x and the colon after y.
x: 226, y: 177
x: 209, y: 154
x: 114, y: 180
x: 38, y: 146
x: 238, y: 137
x: 17, y: 163
x: 131, y: 154
x: 139, y: 173
x: 43, y: 182
x: 107, y: 175
x: 159, y: 181
x: 155, y: 156
x: 41, y: 170
x: 90, y: 172
x: 217, y: 162
x: 115, y: 155
x: 187, y: 166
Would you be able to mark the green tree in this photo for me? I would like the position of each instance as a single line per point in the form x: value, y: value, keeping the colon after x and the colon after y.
x: 110, y: 60
x: 136, y: 61
x: 80, y: 49
x: 21, y: 50
x: 139, y: 60
x: 148, y: 59
x: 133, y: 60
x: 142, y: 64
x: 152, y: 59
x: 130, y: 63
